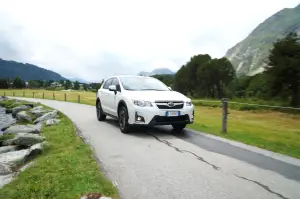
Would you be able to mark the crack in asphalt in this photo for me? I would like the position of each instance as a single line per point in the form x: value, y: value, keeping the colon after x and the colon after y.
x: 184, y: 151
x: 263, y: 186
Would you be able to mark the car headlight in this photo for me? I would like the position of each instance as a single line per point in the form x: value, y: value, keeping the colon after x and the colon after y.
x: 188, y: 103
x: 142, y: 103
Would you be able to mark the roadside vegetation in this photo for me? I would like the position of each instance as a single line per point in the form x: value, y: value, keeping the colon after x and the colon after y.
x: 207, y: 81
x: 66, y: 169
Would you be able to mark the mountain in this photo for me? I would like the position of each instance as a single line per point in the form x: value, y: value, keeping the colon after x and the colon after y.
x: 79, y: 80
x: 249, y: 56
x: 157, y: 71
x: 26, y: 71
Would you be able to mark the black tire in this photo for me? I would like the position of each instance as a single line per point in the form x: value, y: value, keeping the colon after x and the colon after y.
x: 178, y: 127
x: 100, y: 115
x: 123, y: 119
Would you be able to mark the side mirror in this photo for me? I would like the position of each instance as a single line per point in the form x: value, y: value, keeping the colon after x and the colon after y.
x: 112, y: 88
x: 169, y: 88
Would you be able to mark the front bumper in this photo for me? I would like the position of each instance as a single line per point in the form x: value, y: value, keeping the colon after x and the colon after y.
x: 154, y: 116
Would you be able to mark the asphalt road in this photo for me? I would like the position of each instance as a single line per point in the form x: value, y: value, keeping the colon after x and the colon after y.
x: 152, y: 163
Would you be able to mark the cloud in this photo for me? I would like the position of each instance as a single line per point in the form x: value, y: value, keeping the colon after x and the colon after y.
x: 95, y: 39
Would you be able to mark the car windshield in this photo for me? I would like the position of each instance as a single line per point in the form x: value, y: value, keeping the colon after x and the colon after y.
x: 143, y: 84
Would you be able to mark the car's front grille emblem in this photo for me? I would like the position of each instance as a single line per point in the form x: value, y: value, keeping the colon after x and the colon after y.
x: 170, y: 104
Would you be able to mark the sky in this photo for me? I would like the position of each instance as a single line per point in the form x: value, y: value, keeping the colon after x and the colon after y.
x: 94, y: 39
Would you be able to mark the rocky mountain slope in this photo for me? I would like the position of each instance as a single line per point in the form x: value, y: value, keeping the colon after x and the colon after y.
x: 157, y: 71
x: 250, y: 55
x: 26, y: 71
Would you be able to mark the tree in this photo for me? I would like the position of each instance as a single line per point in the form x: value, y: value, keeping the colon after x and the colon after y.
x: 18, y: 83
x: 85, y: 87
x: 76, y: 85
x: 4, y: 83
x: 68, y: 84
x: 283, y: 69
x: 181, y: 80
x: 214, y: 76
x: 193, y: 65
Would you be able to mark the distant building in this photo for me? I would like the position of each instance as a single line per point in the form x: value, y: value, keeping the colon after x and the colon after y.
x: 55, y: 84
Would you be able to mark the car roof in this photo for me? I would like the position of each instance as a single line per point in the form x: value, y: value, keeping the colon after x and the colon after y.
x: 137, y: 76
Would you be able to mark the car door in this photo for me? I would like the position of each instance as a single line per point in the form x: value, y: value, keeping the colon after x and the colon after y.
x: 105, y: 95
x: 113, y: 97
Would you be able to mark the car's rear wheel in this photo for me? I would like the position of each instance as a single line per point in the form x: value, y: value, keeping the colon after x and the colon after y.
x: 100, y: 114
x: 178, y: 127
x: 123, y: 119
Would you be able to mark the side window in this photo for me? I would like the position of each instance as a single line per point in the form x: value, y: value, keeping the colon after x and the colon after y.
x: 116, y: 82
x: 107, y: 84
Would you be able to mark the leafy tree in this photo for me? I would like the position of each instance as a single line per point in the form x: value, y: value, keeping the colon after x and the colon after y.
x: 284, y: 69
x: 193, y: 65
x: 215, y: 75
x: 68, y: 84
x: 76, y: 85
x: 4, y: 83
x: 85, y: 87
x: 181, y: 80
x: 18, y: 83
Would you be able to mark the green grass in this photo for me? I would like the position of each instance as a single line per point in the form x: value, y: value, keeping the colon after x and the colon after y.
x: 274, y: 131
x: 262, y: 127
x: 66, y: 169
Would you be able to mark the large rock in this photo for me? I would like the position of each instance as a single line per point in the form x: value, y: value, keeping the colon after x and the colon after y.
x: 2, y: 98
x: 38, y: 111
x: 14, y: 158
x: 11, y: 159
x: 46, y: 116
x: 24, y: 139
x: 18, y: 109
x: 51, y: 122
x: 5, y: 120
x: 23, y: 117
x: 5, y: 169
x: 34, y: 129
x: 5, y: 149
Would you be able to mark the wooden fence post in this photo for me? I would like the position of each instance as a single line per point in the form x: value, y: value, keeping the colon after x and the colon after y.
x: 23, y: 94
x: 79, y: 99
x: 33, y: 94
x: 224, y: 114
x: 4, y: 94
x: 53, y: 96
x: 43, y: 95
x: 13, y: 93
x: 65, y: 97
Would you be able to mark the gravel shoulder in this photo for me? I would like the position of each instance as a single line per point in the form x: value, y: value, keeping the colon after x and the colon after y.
x: 152, y: 163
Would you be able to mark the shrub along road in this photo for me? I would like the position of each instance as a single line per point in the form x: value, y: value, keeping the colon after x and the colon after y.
x: 152, y: 163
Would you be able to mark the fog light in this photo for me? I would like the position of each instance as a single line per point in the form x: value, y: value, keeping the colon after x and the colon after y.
x: 139, y: 118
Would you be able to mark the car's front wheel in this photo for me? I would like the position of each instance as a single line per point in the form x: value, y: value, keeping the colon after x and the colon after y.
x: 123, y: 119
x: 100, y: 115
x: 178, y: 127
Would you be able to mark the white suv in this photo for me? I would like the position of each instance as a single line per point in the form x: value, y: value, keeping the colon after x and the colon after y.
x: 139, y: 100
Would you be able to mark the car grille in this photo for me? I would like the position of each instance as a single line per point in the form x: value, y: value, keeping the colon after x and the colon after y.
x: 169, y: 104
x: 162, y: 119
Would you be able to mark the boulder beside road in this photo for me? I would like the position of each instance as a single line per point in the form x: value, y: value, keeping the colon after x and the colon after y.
x: 46, y: 116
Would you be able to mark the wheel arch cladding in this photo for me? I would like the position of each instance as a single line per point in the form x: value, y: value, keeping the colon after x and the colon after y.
x: 122, y: 103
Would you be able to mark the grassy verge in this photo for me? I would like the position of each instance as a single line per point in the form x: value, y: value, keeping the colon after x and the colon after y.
x: 274, y: 131
x: 258, y: 126
x: 66, y: 169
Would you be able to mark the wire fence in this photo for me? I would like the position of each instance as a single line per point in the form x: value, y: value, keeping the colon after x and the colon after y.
x: 88, y: 98
x: 250, y: 123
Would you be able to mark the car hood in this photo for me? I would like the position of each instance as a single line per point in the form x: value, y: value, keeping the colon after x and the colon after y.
x: 158, y: 95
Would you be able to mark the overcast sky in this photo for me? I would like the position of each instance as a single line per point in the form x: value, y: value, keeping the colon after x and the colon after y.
x: 93, y: 39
